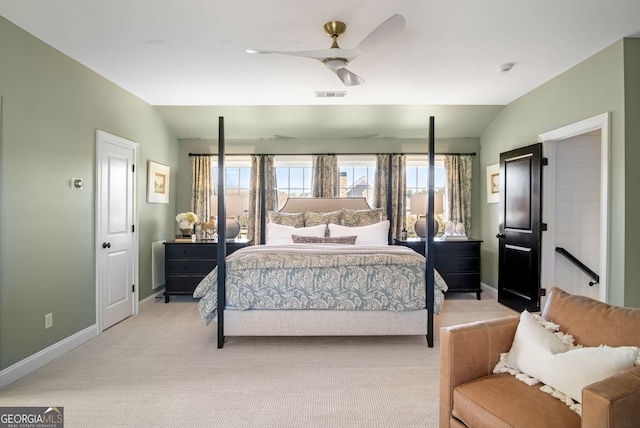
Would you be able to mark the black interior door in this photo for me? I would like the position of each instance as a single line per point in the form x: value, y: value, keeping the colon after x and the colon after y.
x: 520, y: 230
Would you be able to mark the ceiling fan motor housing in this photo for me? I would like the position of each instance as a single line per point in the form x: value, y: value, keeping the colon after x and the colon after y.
x: 335, y: 28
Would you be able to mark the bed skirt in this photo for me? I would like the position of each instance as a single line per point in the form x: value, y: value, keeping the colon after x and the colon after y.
x: 324, y: 323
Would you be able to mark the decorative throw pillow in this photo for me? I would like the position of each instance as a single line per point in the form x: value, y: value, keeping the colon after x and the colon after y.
x: 314, y: 219
x: 353, y: 218
x: 281, y: 234
x: 288, y: 219
x: 374, y: 234
x: 552, y: 358
x: 351, y: 240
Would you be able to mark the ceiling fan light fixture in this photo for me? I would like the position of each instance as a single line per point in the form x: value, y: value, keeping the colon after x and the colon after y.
x: 335, y: 63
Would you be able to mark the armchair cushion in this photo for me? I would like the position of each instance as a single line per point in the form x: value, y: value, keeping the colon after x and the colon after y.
x: 539, y: 353
x: 503, y: 401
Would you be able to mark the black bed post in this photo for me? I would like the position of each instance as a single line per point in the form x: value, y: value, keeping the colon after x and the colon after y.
x: 429, y: 247
x: 389, y: 202
x: 263, y: 202
x: 222, y: 235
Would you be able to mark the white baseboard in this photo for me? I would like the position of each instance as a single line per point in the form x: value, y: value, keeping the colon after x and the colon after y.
x: 488, y: 290
x: 44, y: 357
x: 148, y: 301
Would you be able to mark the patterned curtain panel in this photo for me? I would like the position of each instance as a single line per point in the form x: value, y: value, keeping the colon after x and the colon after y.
x: 457, y: 169
x: 255, y: 197
x: 201, y: 187
x: 398, y: 173
x: 325, y: 176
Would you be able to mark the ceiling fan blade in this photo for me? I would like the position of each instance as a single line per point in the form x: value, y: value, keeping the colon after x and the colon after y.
x: 349, y: 78
x: 318, y: 54
x: 383, y: 33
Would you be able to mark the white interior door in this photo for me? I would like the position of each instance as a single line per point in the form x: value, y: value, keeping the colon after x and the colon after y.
x: 115, y: 238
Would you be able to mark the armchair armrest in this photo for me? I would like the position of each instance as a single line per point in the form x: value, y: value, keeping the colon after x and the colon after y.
x: 612, y: 402
x: 468, y: 352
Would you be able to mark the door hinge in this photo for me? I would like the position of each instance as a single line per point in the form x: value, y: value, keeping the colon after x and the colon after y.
x: 133, y: 228
x: 133, y: 167
x: 544, y: 227
x: 543, y: 292
x: 545, y: 161
x: 133, y: 288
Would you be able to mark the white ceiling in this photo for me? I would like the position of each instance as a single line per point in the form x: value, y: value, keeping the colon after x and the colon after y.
x: 447, y: 55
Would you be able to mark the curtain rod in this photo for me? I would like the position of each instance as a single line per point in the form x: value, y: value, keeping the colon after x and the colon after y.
x: 338, y: 154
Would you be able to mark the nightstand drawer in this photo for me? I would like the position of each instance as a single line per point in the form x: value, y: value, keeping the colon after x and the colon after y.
x: 461, y: 281
x: 457, y: 264
x: 457, y: 248
x: 194, y: 266
x: 190, y: 251
x: 182, y: 284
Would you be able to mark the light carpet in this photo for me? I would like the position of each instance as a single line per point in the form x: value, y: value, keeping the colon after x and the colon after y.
x: 162, y: 368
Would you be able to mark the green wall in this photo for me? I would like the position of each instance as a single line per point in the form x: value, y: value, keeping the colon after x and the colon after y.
x: 632, y: 172
x: 595, y: 86
x: 52, y: 107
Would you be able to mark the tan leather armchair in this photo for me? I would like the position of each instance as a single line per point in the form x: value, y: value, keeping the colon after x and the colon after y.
x: 471, y: 395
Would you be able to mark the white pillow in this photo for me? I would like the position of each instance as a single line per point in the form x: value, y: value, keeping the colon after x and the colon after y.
x: 539, y: 353
x: 374, y: 234
x: 281, y: 234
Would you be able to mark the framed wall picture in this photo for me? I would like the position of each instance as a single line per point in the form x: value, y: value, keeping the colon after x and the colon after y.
x: 158, y: 183
x: 493, y: 183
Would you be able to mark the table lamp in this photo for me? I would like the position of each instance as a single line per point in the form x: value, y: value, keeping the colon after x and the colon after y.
x: 419, y: 209
x: 235, y: 208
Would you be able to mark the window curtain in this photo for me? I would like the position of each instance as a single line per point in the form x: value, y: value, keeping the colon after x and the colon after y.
x: 201, y: 187
x: 457, y: 169
x: 325, y: 176
x: 398, y: 190
x: 255, y: 196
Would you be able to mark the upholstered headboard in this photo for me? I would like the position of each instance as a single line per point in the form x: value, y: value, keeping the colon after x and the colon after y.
x: 298, y: 205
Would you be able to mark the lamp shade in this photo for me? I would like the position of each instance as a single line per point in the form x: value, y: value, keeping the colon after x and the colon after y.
x: 235, y: 205
x: 438, y: 202
x: 418, y: 203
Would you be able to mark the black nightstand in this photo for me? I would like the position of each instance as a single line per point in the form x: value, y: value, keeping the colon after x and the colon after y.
x: 187, y: 263
x: 457, y: 261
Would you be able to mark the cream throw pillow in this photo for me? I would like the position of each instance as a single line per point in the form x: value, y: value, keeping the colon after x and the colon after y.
x: 540, y: 354
x: 281, y: 234
x: 375, y: 234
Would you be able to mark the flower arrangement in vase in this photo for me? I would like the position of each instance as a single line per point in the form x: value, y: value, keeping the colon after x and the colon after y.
x: 186, y: 222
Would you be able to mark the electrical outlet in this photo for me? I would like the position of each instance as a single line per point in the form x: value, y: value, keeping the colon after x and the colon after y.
x: 48, y: 320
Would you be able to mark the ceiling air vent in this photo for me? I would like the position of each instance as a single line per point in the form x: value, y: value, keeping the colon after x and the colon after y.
x: 334, y: 94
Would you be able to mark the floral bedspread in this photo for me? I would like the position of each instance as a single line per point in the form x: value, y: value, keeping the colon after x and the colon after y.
x: 321, y: 276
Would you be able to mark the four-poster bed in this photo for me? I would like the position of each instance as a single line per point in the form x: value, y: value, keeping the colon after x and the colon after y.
x: 397, y: 285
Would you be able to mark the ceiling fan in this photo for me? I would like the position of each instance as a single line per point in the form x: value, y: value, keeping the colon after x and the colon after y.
x: 336, y: 59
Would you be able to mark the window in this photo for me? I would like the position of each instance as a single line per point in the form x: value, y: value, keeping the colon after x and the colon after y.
x: 237, y: 176
x: 417, y: 182
x: 293, y: 177
x: 357, y: 177
x: 237, y: 182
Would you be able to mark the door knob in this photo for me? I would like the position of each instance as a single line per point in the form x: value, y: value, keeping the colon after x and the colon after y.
x: 500, y: 235
x: 106, y: 245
